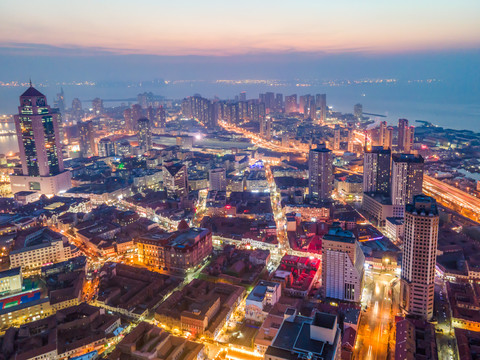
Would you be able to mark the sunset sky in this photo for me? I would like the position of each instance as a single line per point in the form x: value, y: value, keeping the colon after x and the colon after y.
x: 238, y: 27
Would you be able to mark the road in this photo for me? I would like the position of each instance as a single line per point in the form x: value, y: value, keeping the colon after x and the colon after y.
x: 375, y: 330
x: 446, y: 343
x: 452, y: 198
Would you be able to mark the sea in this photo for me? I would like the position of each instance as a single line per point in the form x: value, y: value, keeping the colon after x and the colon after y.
x: 439, y: 103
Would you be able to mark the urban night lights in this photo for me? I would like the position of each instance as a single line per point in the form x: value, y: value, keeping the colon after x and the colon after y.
x: 312, y: 192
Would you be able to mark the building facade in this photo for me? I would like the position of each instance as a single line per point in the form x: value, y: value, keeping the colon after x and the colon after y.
x: 419, y: 257
x: 342, y: 266
x: 376, y: 170
x: 320, y: 177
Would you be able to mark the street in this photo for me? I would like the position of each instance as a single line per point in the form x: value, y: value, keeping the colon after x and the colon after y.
x: 377, y: 322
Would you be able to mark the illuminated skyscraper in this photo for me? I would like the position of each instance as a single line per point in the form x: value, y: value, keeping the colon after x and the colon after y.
x: 87, y: 138
x: 337, y: 137
x: 358, y: 111
x: 144, y: 134
x: 376, y: 170
x: 320, y: 173
x: 321, y: 103
x: 39, y: 146
x: 162, y: 117
x: 127, y: 116
x: 343, y: 270
x: 136, y: 115
x: 97, y: 105
x: 407, y: 178
x: 405, y: 136
x: 291, y: 105
x: 419, y: 257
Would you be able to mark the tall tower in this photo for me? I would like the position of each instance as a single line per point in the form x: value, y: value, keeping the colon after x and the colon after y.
x: 358, y: 111
x: 320, y: 173
x: 337, y: 137
x: 376, y: 170
x: 321, y: 103
x: 402, y: 134
x: 40, y: 147
x: 144, y: 134
x: 419, y: 257
x: 407, y: 178
x: 87, y: 138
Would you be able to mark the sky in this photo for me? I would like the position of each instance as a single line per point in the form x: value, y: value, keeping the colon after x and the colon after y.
x: 223, y: 28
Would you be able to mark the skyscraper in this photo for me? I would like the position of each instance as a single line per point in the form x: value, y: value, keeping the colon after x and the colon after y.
x: 144, y: 134
x: 337, y: 137
x: 419, y: 257
x: 162, y: 117
x: 402, y: 134
x: 320, y: 173
x: 39, y: 146
x: 87, y: 138
x: 342, y: 265
x: 376, y: 170
x: 321, y: 103
x: 358, y: 111
x: 97, y: 105
x: 127, y: 116
x: 407, y: 178
x: 136, y: 115
x: 291, y: 104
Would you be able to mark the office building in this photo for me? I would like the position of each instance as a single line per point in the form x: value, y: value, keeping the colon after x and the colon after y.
x: 39, y: 146
x: 127, y: 118
x: 106, y: 147
x: 303, y: 338
x: 376, y: 170
x: 337, y: 138
x: 87, y: 138
x: 175, y: 179
x: 407, y: 178
x: 217, y: 179
x: 144, y: 134
x: 342, y: 265
x: 419, y: 257
x: 320, y: 173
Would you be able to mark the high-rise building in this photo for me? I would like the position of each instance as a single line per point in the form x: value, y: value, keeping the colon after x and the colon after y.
x: 337, y: 137
x: 39, y: 145
x: 351, y: 140
x: 127, y: 116
x: 97, y: 105
x: 291, y: 105
x: 87, y: 138
x: 358, y: 111
x: 279, y: 102
x: 76, y: 105
x: 320, y: 173
x: 175, y: 179
x: 144, y: 134
x: 407, y: 178
x: 402, y: 134
x: 321, y: 103
x: 243, y: 96
x: 409, y: 139
x: 60, y: 101
x: 137, y: 113
x: 106, y: 148
x: 376, y: 170
x: 162, y: 117
x: 419, y: 257
x: 217, y: 179
x: 342, y: 265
